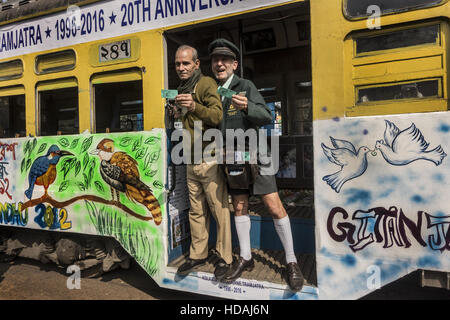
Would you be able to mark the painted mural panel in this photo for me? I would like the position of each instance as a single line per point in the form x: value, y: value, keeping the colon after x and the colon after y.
x: 103, y: 184
x: 381, y: 191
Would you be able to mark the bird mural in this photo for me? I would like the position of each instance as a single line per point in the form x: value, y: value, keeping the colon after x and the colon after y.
x: 43, y: 169
x: 403, y: 147
x: 121, y: 173
x: 353, y: 163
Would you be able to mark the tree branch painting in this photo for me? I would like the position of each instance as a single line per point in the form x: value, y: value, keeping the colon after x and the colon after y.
x: 61, y: 204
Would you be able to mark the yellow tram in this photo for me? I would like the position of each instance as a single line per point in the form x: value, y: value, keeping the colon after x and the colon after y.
x: 367, y: 79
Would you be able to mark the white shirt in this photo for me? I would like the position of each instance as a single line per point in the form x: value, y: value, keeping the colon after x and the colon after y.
x: 227, y: 84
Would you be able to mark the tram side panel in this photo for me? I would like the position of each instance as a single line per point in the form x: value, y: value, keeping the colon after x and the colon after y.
x: 100, y: 184
x: 381, y: 200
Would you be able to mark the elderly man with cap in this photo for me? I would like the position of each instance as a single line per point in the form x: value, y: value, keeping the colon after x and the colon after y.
x: 247, y: 110
x: 200, y: 104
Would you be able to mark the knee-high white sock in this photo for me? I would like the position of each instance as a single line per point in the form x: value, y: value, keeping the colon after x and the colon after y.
x: 283, y: 228
x: 243, y: 225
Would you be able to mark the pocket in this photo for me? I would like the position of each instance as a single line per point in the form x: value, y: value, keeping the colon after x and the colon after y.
x: 238, y: 176
x: 206, y: 169
x: 267, y: 167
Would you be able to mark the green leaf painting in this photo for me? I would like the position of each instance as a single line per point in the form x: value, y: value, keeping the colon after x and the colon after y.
x: 152, y: 140
x: 74, y: 143
x: 158, y: 184
x: 42, y: 147
x: 85, y: 161
x: 86, y: 144
x: 23, y: 165
x: 77, y: 167
x: 99, y: 187
x: 151, y: 173
x: 63, y: 142
x: 125, y: 142
x: 63, y: 186
x: 141, y: 153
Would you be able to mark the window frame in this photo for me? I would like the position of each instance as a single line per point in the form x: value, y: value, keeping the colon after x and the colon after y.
x: 390, y: 11
x: 12, y: 91
x: 359, y: 75
x: 373, y: 34
x: 377, y: 102
x: 114, y: 76
x: 13, y: 76
x: 49, y: 85
x: 43, y: 60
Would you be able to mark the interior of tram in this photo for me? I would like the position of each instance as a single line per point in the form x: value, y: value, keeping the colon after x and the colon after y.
x: 276, y: 56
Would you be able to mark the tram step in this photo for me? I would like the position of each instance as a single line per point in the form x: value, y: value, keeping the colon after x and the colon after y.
x: 269, y: 266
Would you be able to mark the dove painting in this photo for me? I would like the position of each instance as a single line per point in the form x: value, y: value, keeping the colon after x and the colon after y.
x: 403, y: 147
x: 353, y: 163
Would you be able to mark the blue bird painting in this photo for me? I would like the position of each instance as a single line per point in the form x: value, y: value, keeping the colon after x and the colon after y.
x: 353, y: 163
x: 403, y: 147
x: 43, y: 169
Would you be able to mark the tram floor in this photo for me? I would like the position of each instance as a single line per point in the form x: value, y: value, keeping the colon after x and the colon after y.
x: 269, y: 266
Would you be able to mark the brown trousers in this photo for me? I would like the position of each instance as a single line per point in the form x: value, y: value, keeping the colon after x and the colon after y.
x: 207, y: 188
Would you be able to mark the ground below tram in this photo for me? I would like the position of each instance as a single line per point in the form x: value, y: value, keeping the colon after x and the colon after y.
x: 25, y: 279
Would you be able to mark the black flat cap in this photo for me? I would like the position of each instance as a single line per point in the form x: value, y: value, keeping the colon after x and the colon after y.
x: 223, y: 47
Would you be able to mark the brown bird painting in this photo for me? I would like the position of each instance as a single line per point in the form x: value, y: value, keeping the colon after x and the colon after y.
x: 121, y: 173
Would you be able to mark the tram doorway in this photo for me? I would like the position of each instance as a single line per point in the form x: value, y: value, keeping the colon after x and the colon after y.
x: 276, y: 57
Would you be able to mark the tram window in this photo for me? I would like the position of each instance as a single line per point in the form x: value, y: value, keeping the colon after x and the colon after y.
x: 55, y: 61
x: 58, y: 111
x: 12, y: 121
x: 359, y: 8
x: 11, y: 69
x: 410, y: 90
x: 119, y: 107
x: 399, y: 39
x: 302, y: 111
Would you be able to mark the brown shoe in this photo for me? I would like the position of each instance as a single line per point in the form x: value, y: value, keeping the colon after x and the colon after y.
x: 222, y: 268
x: 238, y: 267
x: 294, y: 276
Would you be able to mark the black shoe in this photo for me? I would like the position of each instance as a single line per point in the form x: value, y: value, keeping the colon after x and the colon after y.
x: 294, y: 276
x: 221, y: 269
x: 238, y: 267
x: 190, y: 264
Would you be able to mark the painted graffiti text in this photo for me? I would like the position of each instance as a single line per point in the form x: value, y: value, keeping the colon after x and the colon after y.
x: 3, y: 171
x: 52, y: 218
x: 389, y: 227
x: 4, y: 182
x: 6, y: 147
x: 12, y: 214
x: 4, y: 185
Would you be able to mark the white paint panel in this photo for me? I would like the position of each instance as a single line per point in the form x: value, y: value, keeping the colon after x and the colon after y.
x: 390, y: 212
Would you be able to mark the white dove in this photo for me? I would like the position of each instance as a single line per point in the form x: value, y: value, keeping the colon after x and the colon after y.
x: 352, y: 163
x: 402, y: 147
